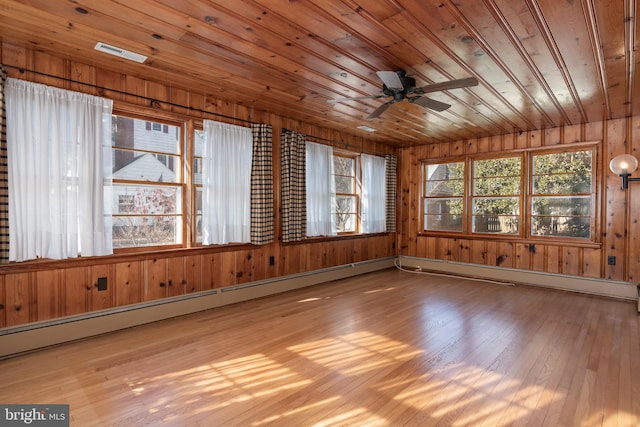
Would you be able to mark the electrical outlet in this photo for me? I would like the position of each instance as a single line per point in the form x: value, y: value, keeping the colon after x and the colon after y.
x: 102, y: 284
x: 611, y: 260
x: 272, y: 260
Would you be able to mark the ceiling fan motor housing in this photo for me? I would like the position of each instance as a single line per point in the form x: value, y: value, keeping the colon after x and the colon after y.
x: 409, y: 83
x: 408, y: 86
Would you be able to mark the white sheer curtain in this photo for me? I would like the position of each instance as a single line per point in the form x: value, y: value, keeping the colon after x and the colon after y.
x: 226, y: 183
x: 373, y: 194
x: 59, y: 155
x: 321, y: 190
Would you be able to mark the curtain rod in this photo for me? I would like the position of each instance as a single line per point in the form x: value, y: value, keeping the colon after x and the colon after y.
x: 152, y: 101
x: 345, y: 144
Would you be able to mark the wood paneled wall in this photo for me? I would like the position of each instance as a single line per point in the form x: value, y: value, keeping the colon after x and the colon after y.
x: 617, y: 212
x: 34, y: 292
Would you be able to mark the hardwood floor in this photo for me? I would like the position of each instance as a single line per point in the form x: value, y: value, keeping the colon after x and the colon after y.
x: 383, y: 349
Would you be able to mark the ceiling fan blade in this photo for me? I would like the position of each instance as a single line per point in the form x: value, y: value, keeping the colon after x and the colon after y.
x: 356, y: 98
x: 390, y: 79
x: 452, y: 84
x: 381, y: 109
x: 432, y: 104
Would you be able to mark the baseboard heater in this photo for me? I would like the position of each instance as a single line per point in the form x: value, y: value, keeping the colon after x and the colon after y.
x: 20, y: 339
x: 586, y: 285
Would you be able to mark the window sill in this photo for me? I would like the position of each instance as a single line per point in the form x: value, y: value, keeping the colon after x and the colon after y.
x: 120, y: 255
x: 320, y: 239
x: 552, y: 241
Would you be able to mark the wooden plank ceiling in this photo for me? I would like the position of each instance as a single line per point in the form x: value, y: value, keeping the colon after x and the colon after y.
x: 539, y: 63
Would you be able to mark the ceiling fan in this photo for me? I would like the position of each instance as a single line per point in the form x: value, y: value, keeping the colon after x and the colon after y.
x: 402, y: 87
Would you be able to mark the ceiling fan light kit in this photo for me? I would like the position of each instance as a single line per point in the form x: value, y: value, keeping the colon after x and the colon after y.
x: 400, y: 87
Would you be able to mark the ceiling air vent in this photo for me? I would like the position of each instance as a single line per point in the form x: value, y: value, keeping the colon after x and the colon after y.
x: 122, y: 53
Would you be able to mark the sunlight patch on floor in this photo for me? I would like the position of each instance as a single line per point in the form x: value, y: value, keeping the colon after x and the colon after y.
x: 226, y: 383
x: 375, y: 291
x: 298, y: 410
x: 354, y: 417
x: 472, y: 394
x: 356, y: 353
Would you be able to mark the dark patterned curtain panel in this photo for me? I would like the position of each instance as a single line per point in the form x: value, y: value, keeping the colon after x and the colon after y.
x: 262, y: 185
x: 4, y: 183
x: 391, y: 166
x: 294, y: 192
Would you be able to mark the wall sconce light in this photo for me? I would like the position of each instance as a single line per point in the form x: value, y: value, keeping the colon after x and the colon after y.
x: 624, y: 165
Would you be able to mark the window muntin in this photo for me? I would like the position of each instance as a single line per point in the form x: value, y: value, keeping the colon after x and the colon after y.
x: 147, y: 183
x: 346, y: 209
x: 443, y: 196
x: 496, y: 195
x: 562, y: 188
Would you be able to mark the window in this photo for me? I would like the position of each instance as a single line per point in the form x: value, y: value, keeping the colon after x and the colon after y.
x: 562, y: 194
x: 347, y: 199
x: 339, y: 200
x: 556, y: 188
x: 147, y: 183
x: 136, y: 174
x: 496, y: 195
x: 443, y: 196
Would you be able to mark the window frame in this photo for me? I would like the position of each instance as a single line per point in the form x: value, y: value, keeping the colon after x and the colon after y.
x: 463, y: 198
x: 472, y: 197
x: 181, y: 183
x: 357, y: 170
x: 593, y: 193
x: 357, y: 158
x: 526, y: 194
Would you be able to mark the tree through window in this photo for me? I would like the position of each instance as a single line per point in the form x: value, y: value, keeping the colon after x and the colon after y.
x: 347, y: 202
x: 538, y: 193
x: 496, y: 195
x: 562, y: 194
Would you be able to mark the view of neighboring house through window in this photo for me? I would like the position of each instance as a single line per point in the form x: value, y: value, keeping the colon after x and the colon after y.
x: 147, y: 183
x: 496, y: 195
x: 347, y: 199
x: 443, y: 196
x: 562, y: 194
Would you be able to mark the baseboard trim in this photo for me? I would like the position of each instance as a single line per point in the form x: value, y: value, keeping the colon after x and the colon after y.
x: 25, y: 338
x: 587, y: 285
